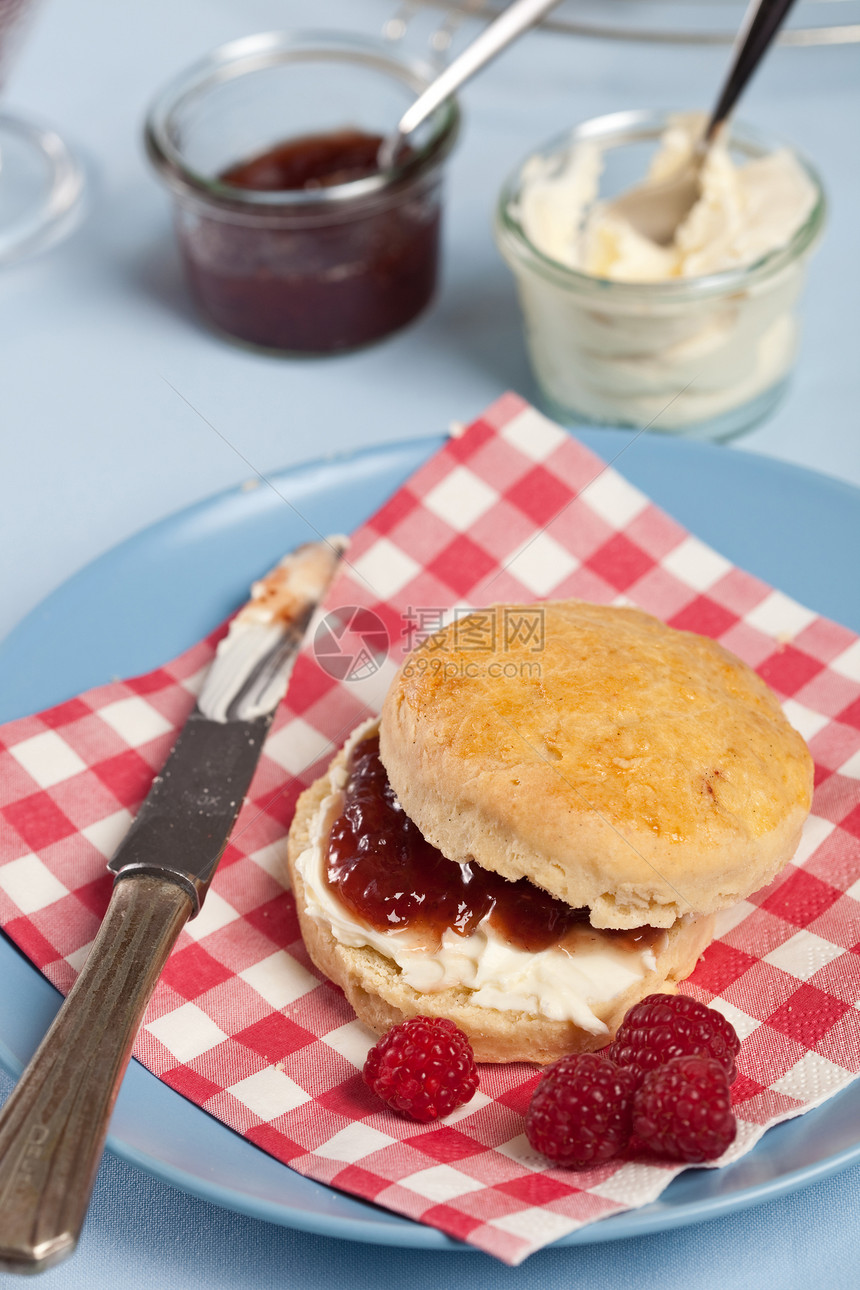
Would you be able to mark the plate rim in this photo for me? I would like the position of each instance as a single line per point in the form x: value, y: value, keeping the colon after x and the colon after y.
x: 396, y: 1229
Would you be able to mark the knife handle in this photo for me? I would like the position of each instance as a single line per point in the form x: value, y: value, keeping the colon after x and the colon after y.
x: 54, y: 1124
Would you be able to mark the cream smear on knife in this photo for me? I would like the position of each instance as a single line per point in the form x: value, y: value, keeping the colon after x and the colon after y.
x: 245, y: 679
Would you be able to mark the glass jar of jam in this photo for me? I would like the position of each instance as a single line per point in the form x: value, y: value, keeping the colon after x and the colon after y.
x: 292, y: 238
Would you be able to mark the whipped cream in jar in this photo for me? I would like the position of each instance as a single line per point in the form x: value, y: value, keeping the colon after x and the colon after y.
x: 697, y: 338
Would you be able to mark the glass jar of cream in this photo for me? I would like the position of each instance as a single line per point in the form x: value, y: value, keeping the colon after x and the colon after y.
x: 695, y: 339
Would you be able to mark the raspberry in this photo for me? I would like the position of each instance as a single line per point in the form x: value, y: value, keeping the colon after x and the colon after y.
x: 581, y: 1110
x: 663, y: 1026
x: 683, y: 1110
x: 423, y: 1068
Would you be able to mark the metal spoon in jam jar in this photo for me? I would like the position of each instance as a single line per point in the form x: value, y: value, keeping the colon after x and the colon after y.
x: 513, y: 22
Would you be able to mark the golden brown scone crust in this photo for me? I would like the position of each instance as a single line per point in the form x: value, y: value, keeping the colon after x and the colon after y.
x: 373, y: 984
x: 643, y: 772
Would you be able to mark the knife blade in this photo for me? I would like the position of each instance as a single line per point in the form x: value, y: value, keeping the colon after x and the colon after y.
x: 54, y: 1124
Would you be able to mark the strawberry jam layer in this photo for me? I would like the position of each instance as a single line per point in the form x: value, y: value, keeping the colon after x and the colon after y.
x: 384, y: 871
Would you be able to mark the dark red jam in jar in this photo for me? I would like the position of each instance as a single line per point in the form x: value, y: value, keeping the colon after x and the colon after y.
x: 315, y: 161
x: 386, y: 873
x: 321, y: 276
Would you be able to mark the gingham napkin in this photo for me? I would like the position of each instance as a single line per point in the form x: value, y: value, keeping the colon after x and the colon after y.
x: 513, y: 509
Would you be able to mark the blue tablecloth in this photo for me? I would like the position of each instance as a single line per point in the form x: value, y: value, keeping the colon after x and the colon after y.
x: 97, y: 444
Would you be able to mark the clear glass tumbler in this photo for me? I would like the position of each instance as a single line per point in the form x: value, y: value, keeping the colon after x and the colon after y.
x: 309, y: 270
x: 41, y: 182
x: 706, y: 357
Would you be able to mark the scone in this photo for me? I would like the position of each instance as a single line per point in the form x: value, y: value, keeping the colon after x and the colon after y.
x: 544, y: 824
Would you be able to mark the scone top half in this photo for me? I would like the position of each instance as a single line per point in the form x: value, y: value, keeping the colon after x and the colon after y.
x: 642, y: 772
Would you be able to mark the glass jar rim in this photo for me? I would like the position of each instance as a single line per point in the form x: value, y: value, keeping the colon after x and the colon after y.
x: 255, y: 53
x: 509, y: 229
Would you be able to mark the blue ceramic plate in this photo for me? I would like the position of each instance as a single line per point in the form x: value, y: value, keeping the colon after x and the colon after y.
x: 153, y: 596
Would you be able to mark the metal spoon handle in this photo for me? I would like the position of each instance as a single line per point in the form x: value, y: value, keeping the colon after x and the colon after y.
x: 762, y: 21
x: 517, y: 18
x: 53, y: 1127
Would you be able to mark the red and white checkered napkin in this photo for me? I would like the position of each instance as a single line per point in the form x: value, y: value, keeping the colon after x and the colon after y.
x: 514, y: 509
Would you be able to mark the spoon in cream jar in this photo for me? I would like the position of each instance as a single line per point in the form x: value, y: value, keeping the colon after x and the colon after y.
x: 657, y: 209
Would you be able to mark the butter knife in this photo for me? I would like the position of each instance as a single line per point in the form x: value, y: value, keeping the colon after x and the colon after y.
x: 54, y: 1124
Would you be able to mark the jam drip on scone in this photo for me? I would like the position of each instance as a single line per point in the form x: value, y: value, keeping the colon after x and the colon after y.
x: 385, y: 872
